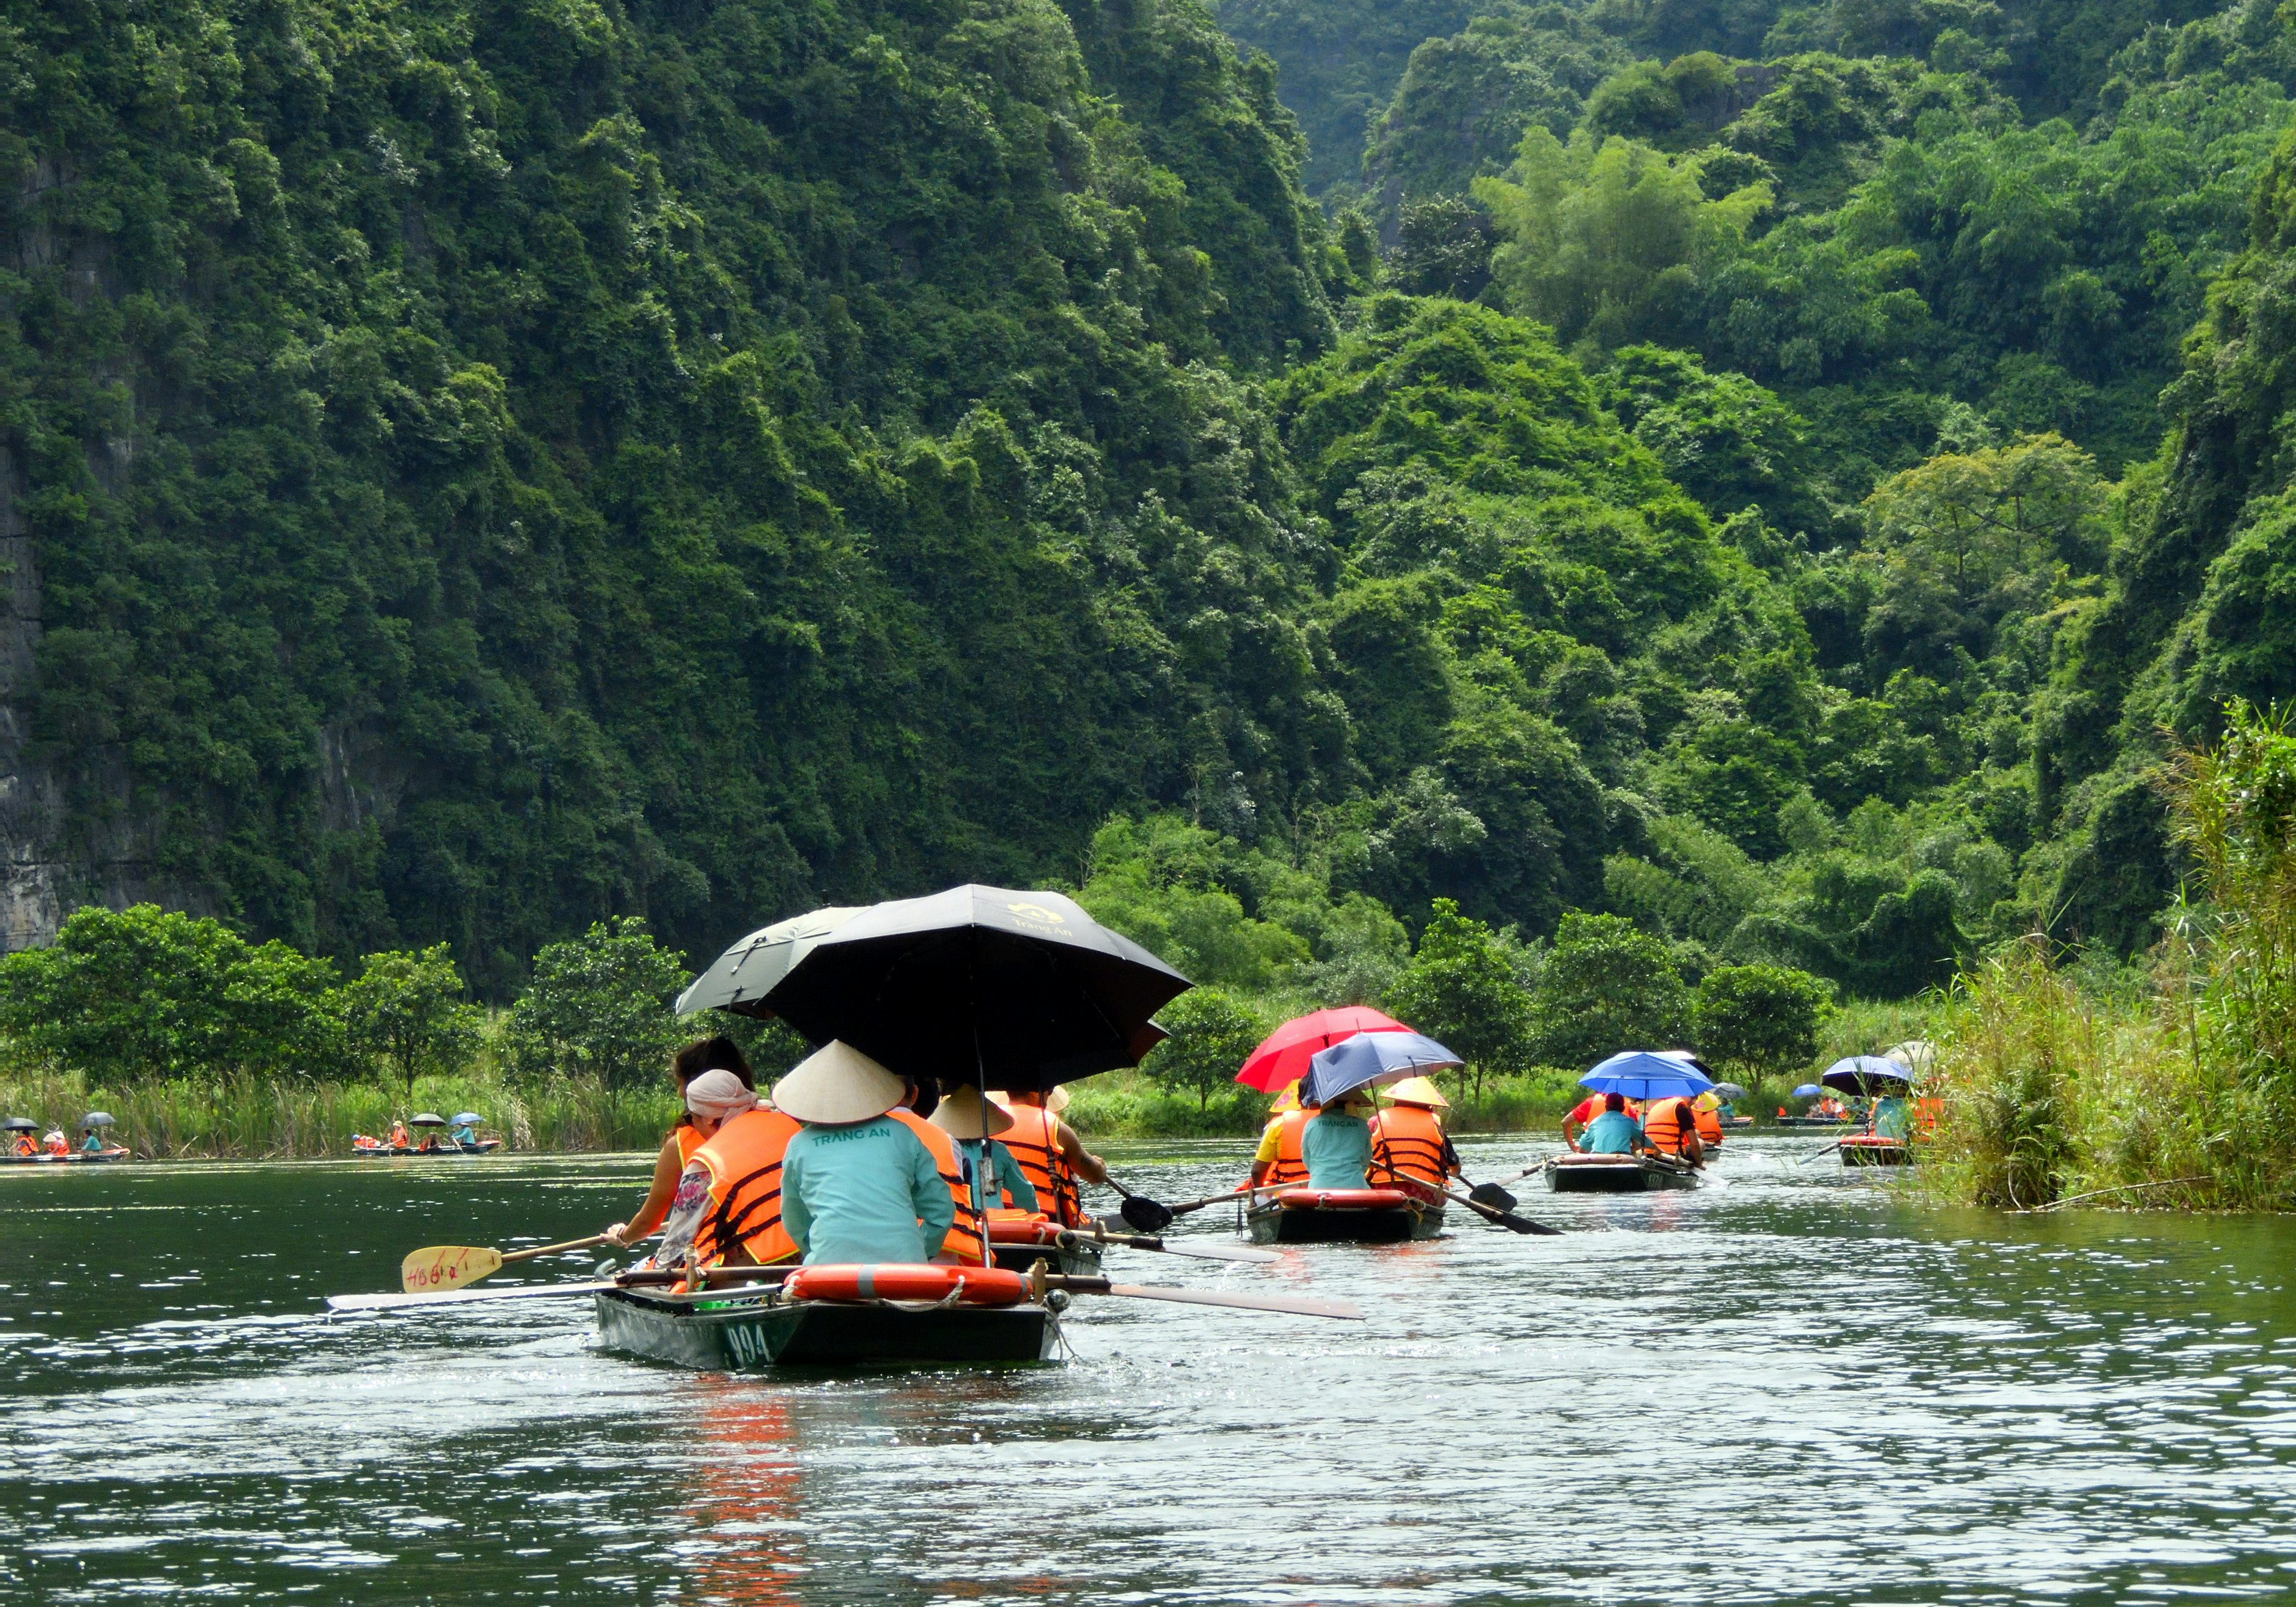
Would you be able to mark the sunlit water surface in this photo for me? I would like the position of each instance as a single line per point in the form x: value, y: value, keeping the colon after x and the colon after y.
x: 1787, y: 1386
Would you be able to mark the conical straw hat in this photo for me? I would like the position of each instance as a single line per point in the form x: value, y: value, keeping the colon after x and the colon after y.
x: 1055, y: 1101
x: 836, y: 1086
x: 960, y: 1115
x: 1419, y: 1091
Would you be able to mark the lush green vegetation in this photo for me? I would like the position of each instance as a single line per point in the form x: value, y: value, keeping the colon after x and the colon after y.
x: 1700, y: 539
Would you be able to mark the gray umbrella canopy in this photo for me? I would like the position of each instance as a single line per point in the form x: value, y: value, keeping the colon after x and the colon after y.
x: 746, y: 972
x: 20, y: 1123
x: 995, y: 987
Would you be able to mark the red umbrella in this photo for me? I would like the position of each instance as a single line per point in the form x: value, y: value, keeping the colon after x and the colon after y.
x: 1284, y: 1056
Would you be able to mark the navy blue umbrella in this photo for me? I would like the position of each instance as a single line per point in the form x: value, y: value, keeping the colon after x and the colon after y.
x: 1369, y: 1058
x: 1865, y: 1074
x: 1638, y: 1074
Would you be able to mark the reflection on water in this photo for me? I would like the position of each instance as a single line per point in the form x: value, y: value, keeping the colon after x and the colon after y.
x: 1787, y: 1386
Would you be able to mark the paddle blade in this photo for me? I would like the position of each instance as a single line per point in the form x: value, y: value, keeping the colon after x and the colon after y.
x: 1492, y: 1195
x: 1293, y: 1303
x: 461, y: 1297
x: 438, y: 1267
x: 1220, y: 1252
x: 1145, y: 1215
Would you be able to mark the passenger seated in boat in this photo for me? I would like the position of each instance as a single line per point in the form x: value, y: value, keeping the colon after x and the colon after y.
x: 1891, y: 1119
x: 399, y: 1138
x: 1583, y: 1116
x: 993, y: 1175
x: 1671, y: 1126
x: 1278, y: 1162
x: 963, y: 1241
x: 27, y: 1145
x: 93, y: 1145
x: 728, y: 1207
x: 1336, y: 1144
x: 1407, y: 1138
x: 1614, y: 1132
x: 719, y: 1054
x: 1050, y: 1153
x: 858, y: 1185
x: 57, y: 1143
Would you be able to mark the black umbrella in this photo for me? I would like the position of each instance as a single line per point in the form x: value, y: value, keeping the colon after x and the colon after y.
x: 994, y: 987
x: 20, y: 1123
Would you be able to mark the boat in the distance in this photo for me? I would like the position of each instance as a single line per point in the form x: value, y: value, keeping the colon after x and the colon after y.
x: 16, y: 1127
x: 1617, y: 1174
x: 436, y: 1140
x: 880, y: 1317
x: 1876, y: 1149
x: 1812, y: 1124
x: 1301, y: 1215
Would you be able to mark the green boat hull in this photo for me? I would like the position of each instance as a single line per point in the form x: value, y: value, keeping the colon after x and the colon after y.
x: 1616, y: 1175
x: 1331, y: 1224
x: 757, y: 1335
x: 1868, y: 1152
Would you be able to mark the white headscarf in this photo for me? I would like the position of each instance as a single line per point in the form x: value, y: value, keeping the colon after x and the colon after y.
x: 718, y: 1096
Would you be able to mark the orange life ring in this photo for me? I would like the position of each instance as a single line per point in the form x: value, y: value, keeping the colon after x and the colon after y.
x: 1345, y: 1199
x: 1023, y: 1227
x: 909, y: 1280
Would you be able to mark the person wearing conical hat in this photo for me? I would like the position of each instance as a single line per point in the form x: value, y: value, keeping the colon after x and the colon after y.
x: 995, y: 1176
x: 1407, y: 1138
x: 857, y: 1185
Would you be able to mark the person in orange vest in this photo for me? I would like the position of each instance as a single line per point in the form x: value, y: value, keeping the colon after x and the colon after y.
x: 1050, y: 1154
x: 57, y: 1143
x: 962, y: 1242
x: 860, y: 1184
x: 720, y: 1053
x: 727, y: 1207
x: 399, y: 1138
x: 1672, y: 1127
x: 1408, y: 1139
x: 25, y: 1144
x: 1708, y: 1109
x: 1582, y: 1116
x: 1278, y: 1160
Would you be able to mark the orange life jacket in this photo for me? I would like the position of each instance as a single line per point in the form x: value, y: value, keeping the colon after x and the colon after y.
x: 744, y: 1159
x: 689, y: 1139
x: 1035, y: 1139
x: 1289, y: 1166
x: 25, y: 1145
x: 58, y: 1145
x: 1407, y: 1141
x: 1709, y: 1123
x: 1927, y: 1112
x: 964, y: 1238
x: 1666, y: 1121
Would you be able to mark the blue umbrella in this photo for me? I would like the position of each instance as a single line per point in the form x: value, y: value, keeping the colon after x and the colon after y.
x: 1863, y: 1073
x: 1639, y: 1074
x: 1808, y: 1091
x: 468, y: 1119
x: 1369, y: 1058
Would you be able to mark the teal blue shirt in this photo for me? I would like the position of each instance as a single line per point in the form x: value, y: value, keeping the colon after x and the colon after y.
x: 1891, y: 1120
x: 1337, y: 1148
x: 1613, y: 1133
x: 1003, y: 1178
x: 865, y: 1192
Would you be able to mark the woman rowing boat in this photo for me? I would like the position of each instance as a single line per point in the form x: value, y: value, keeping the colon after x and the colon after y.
x: 720, y: 1053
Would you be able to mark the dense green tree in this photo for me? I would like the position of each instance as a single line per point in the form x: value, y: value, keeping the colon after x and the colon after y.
x: 406, y: 1010
x: 1607, y: 987
x: 600, y: 1005
x: 1762, y: 1019
x: 1212, y: 1034
x: 136, y: 994
x: 1462, y: 989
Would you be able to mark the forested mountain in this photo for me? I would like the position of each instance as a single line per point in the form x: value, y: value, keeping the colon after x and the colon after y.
x: 474, y: 468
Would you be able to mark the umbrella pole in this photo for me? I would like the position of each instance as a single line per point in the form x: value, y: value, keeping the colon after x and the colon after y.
x: 979, y: 1076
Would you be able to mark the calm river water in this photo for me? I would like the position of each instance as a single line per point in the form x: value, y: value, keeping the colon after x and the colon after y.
x: 1788, y: 1386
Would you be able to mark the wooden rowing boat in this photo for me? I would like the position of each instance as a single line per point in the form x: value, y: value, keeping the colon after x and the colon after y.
x: 1812, y: 1124
x: 1872, y: 1148
x: 751, y: 1331
x: 1617, y: 1174
x: 484, y: 1146
x: 73, y: 1157
x: 1366, y: 1215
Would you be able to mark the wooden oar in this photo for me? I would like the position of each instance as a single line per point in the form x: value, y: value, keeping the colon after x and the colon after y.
x: 1040, y: 1282
x: 1828, y: 1149
x: 1500, y: 1219
x: 535, y: 1291
x: 1201, y: 1252
x: 446, y: 1266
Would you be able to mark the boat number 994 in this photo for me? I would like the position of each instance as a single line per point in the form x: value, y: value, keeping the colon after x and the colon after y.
x: 745, y: 1343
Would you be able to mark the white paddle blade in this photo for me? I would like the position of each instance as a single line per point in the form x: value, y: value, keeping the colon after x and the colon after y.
x: 438, y: 1268
x: 1220, y: 1252
x: 1341, y: 1310
x: 461, y: 1297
